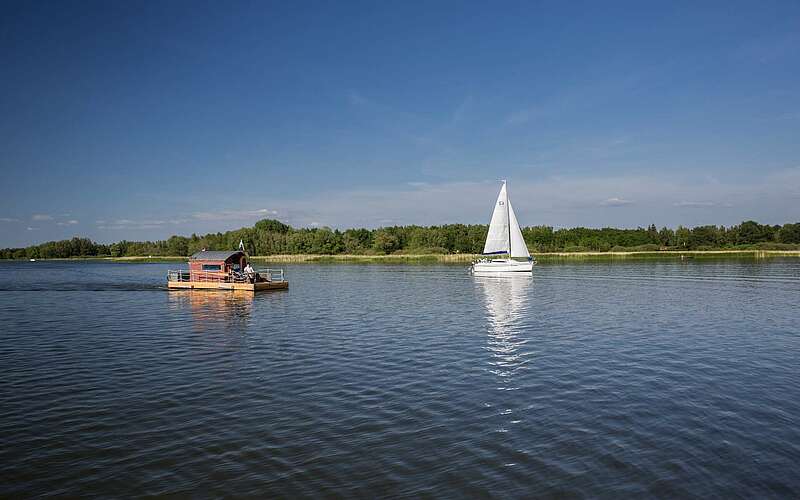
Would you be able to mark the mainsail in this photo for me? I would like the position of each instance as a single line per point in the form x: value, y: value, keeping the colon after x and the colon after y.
x: 505, y: 236
x: 497, y: 240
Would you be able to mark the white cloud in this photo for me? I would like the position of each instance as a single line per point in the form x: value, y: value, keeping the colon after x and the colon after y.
x: 8, y: 219
x: 560, y: 201
x: 176, y: 224
x: 615, y: 202
x: 70, y: 222
x: 122, y: 224
x: 234, y: 215
x: 356, y: 99
x: 694, y: 204
x: 519, y: 117
x: 42, y: 217
x: 625, y: 201
x: 29, y: 228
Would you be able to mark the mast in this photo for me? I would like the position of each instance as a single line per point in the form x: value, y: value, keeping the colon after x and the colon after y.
x: 508, y: 218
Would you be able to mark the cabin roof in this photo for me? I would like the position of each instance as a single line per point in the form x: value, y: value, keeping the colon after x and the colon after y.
x: 215, y: 255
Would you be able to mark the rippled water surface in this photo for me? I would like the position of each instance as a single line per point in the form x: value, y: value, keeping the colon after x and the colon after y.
x: 634, y: 379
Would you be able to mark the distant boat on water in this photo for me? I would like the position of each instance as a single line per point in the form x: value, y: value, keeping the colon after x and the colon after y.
x: 504, y: 238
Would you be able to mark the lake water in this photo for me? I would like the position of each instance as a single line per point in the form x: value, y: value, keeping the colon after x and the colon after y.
x: 655, y: 379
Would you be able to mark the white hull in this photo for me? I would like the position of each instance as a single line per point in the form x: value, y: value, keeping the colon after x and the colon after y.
x: 502, y: 266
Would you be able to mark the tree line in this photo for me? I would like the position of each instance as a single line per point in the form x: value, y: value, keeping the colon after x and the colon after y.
x: 271, y: 237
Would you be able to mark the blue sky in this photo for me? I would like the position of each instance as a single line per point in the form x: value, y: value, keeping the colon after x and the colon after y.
x: 160, y: 118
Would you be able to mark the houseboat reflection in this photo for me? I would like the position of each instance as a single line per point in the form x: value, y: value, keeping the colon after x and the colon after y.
x: 212, y: 310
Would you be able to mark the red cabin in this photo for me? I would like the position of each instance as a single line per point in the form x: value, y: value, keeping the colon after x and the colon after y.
x: 215, y: 265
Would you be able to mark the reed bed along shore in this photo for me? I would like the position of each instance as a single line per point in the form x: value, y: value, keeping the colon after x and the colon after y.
x: 466, y: 257
x: 454, y: 258
x: 542, y: 257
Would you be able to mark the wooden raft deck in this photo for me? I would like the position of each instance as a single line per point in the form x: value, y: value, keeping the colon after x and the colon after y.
x: 211, y: 285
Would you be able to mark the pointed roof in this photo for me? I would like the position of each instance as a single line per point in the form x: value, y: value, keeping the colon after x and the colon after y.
x: 215, y: 255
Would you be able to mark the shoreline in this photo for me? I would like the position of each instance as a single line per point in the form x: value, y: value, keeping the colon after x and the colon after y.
x: 466, y: 258
x: 540, y: 257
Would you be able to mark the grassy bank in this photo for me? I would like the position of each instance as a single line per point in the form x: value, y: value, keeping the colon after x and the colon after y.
x: 348, y: 258
x: 105, y: 258
x: 667, y: 255
x: 541, y: 257
x: 466, y: 258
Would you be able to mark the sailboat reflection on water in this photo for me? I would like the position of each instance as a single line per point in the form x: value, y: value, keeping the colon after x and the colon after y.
x: 506, y: 296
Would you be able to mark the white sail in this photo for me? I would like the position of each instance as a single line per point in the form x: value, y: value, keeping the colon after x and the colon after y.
x: 497, y: 240
x: 518, y: 246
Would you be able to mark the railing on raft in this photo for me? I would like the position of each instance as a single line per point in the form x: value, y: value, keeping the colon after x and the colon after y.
x: 265, y: 274
x: 271, y: 274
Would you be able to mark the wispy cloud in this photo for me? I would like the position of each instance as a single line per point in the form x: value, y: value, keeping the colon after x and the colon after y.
x: 29, y: 228
x: 243, y: 216
x: 615, y: 202
x: 519, y: 117
x: 563, y: 201
x: 356, y: 99
x: 42, y: 217
x: 694, y: 204
x: 70, y: 222
x: 8, y: 219
x: 121, y: 224
x: 234, y: 215
x: 560, y: 201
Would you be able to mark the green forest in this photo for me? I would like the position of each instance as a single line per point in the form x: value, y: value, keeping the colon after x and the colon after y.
x: 272, y: 237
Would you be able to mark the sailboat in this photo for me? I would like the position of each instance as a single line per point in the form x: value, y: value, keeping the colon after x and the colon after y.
x: 504, y: 238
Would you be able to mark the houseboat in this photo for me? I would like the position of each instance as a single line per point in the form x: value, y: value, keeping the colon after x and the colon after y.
x: 214, y: 270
